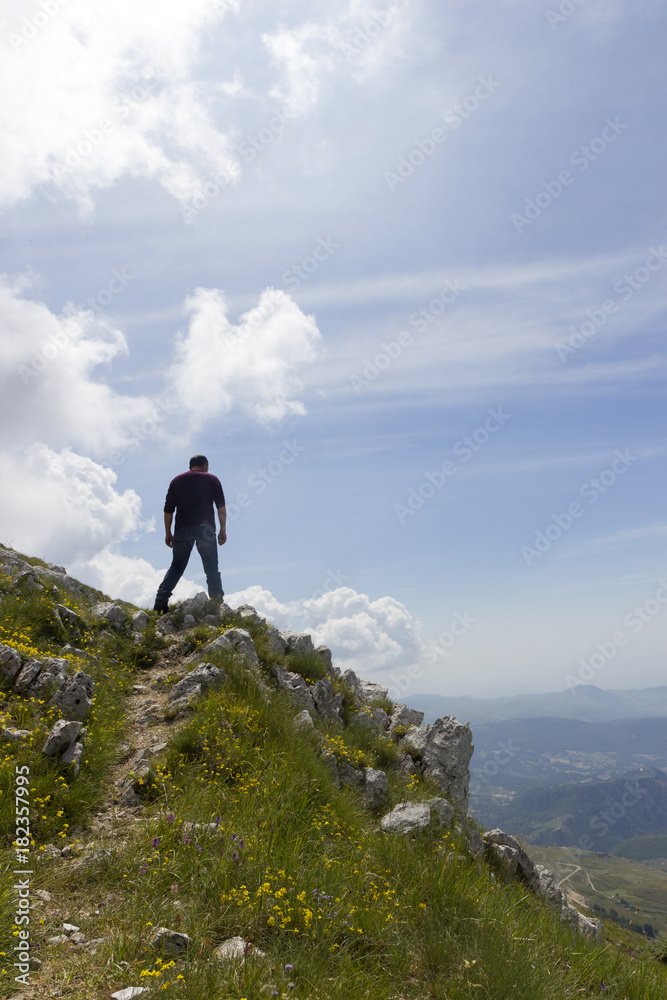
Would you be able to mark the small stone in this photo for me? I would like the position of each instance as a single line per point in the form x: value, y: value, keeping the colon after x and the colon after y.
x: 62, y: 735
x: 109, y: 612
x: 29, y: 671
x: 73, y: 756
x: 10, y: 662
x: 130, y: 991
x: 237, y: 949
x: 58, y: 939
x: 15, y: 735
x: 78, y: 938
x: 189, y: 622
x: 43, y: 895
x: 407, y: 817
x: 375, y: 788
x: 140, y: 621
x: 205, y: 677
x: 171, y: 942
x: 70, y: 928
x: 304, y: 720
x: 69, y: 617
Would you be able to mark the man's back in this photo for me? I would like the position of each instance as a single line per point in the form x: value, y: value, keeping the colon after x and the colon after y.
x: 193, y: 495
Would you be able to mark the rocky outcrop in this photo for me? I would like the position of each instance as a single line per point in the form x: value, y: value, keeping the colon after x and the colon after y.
x: 442, y: 751
x: 49, y: 676
x: 509, y: 852
x: 328, y: 704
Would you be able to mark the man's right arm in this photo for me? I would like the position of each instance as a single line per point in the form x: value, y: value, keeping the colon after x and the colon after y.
x: 168, y: 537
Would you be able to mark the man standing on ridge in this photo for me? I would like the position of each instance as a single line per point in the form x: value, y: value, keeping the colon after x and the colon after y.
x: 193, y: 495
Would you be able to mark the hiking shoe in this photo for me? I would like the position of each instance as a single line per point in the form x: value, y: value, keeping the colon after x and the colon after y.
x: 161, y: 607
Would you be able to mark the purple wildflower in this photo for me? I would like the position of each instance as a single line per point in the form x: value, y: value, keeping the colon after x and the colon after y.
x: 155, y: 842
x: 171, y: 817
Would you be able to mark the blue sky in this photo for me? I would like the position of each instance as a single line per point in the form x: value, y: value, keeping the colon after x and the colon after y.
x: 398, y: 270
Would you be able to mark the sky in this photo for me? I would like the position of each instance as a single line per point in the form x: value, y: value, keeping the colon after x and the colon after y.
x: 398, y: 271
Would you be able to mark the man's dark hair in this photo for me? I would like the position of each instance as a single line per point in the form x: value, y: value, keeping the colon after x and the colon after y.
x: 197, y: 461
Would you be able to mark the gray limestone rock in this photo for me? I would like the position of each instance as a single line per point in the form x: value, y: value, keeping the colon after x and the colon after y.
x: 375, y: 788
x: 140, y: 621
x: 28, y: 673
x: 73, y: 756
x: 14, y: 735
x: 205, y: 677
x: 170, y: 942
x: 407, y: 817
x: 350, y: 679
x: 69, y: 618
x: 247, y: 611
x: 328, y: 705
x: 110, y: 613
x: 540, y: 880
x: 189, y: 622
x: 304, y: 720
x: 61, y: 737
x: 586, y: 926
x: 508, y: 857
x: 76, y: 697
x: 237, y: 640
x: 407, y: 765
x: 52, y: 675
x: 402, y: 718
x: 350, y: 776
x: 474, y: 842
x: 237, y: 949
x: 10, y: 662
x: 295, y: 685
x: 129, y: 993
x: 324, y: 654
x: 277, y: 644
x: 444, y: 810
x: 374, y: 692
x: 194, y: 604
x: 297, y: 642
x: 444, y: 749
x: 373, y: 718
x: 29, y: 580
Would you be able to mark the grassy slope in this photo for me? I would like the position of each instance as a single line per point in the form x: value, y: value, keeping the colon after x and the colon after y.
x: 292, y: 863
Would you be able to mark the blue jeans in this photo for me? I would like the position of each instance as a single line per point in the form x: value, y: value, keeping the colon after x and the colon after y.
x: 204, y: 537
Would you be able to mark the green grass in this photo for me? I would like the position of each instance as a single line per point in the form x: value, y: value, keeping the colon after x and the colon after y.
x: 292, y: 863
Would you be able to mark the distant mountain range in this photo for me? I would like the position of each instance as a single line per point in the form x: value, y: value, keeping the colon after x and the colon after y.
x: 584, y: 702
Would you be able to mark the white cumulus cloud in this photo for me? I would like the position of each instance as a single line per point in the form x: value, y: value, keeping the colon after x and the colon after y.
x: 63, y: 506
x: 101, y: 90
x: 372, y: 638
x: 250, y: 366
